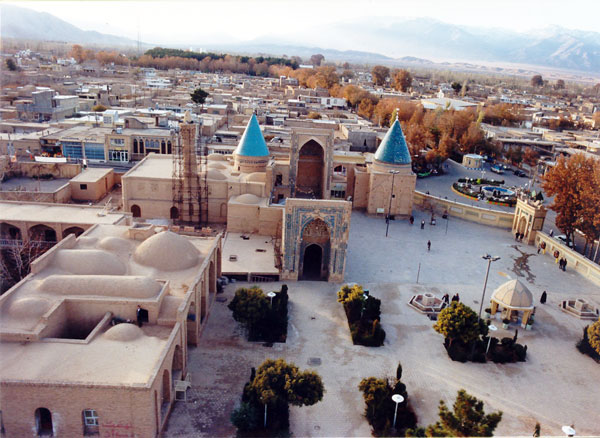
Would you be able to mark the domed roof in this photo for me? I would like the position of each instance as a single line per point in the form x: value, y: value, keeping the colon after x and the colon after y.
x: 167, y: 251
x: 215, y: 157
x: 247, y: 198
x: 256, y: 177
x: 123, y: 332
x: 217, y: 165
x: 252, y: 143
x: 215, y: 175
x: 513, y: 294
x: 393, y: 148
x: 101, y: 285
x: 89, y: 261
x: 111, y: 243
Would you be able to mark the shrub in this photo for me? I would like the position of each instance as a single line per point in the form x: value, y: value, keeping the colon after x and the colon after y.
x: 246, y: 417
x: 584, y: 345
x: 593, y: 335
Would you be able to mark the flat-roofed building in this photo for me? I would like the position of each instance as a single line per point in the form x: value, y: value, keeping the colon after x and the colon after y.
x: 94, y: 340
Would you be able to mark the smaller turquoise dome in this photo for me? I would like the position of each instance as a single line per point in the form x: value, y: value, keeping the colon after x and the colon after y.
x: 393, y: 149
x: 252, y: 143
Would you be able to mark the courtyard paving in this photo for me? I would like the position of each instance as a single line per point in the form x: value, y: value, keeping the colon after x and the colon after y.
x: 556, y: 386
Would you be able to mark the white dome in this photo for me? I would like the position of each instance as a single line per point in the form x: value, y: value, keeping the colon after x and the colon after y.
x: 216, y: 165
x: 28, y: 307
x: 89, y: 261
x: 167, y: 251
x: 111, y: 243
x: 124, y: 332
x: 248, y: 198
x: 256, y: 177
x: 101, y: 285
x: 513, y: 294
x: 215, y: 157
x: 215, y: 175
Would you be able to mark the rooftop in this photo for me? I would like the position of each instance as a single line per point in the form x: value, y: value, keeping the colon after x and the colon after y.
x: 13, y: 211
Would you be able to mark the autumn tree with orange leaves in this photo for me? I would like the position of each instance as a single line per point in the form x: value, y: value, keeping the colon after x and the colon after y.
x: 575, y: 185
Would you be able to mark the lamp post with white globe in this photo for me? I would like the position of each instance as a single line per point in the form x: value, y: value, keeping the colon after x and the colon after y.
x: 397, y: 398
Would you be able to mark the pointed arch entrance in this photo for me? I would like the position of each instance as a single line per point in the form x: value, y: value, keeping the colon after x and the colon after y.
x: 315, y: 251
x: 310, y: 176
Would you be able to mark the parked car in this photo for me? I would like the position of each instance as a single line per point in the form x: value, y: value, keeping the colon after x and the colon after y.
x: 497, y: 168
x: 563, y: 239
x: 519, y: 172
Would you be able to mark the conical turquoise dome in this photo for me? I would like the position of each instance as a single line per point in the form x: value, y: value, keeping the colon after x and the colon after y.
x: 393, y: 149
x: 252, y: 143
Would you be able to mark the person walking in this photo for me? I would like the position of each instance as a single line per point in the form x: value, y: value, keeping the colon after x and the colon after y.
x: 412, y: 219
x: 551, y: 233
x: 517, y: 236
x: 539, y: 248
x: 543, y: 297
x: 564, y: 266
x: 429, y: 245
x: 138, y: 314
x: 423, y: 224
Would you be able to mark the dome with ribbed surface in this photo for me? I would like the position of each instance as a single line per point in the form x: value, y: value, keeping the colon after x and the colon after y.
x: 252, y: 143
x: 514, y: 295
x: 393, y: 149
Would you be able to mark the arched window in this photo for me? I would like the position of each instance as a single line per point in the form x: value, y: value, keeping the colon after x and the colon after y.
x: 43, y: 422
x: 169, y: 148
x: 135, y: 146
x: 136, y: 210
x: 163, y: 147
x: 141, y: 146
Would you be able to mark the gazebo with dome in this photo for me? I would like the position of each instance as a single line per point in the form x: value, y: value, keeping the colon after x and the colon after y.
x: 514, y: 298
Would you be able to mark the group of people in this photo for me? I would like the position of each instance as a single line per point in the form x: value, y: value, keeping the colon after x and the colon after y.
x: 542, y: 247
x: 519, y: 236
x: 562, y: 264
x: 446, y: 298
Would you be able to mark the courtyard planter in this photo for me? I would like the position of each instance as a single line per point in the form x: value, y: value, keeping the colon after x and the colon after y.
x: 505, y: 323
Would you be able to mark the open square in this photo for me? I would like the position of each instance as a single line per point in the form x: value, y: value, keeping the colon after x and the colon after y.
x: 554, y: 386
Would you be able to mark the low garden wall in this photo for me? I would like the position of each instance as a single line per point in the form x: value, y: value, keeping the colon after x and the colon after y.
x: 479, y: 215
x: 575, y: 261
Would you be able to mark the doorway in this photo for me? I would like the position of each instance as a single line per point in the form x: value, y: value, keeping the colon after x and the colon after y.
x: 43, y: 422
x: 312, y: 263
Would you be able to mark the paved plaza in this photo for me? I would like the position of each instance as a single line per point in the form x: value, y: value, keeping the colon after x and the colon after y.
x: 555, y: 386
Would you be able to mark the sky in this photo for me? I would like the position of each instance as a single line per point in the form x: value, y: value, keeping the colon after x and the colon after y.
x: 233, y: 21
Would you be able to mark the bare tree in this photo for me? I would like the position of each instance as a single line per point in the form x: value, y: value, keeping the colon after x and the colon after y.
x: 16, y: 257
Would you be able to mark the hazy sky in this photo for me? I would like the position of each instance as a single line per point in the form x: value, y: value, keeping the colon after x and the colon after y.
x: 234, y: 21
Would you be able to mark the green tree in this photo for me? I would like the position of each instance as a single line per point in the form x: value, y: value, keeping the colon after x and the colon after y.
x: 467, y: 419
x: 593, y: 332
x: 380, y: 74
x: 460, y: 322
x: 456, y: 86
x: 317, y: 59
x: 560, y: 85
x: 249, y: 306
x: 277, y: 382
x: 11, y: 65
x: 199, y: 96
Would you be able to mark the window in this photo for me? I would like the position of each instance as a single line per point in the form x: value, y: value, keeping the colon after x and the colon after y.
x: 278, y: 179
x: 90, y: 422
x: 83, y: 186
x: 72, y: 149
x: 94, y: 151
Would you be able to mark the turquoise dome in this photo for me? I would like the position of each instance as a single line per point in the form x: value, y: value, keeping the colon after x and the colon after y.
x: 252, y: 143
x: 393, y: 149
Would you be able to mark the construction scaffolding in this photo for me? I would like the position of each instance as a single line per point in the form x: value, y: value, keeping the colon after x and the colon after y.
x: 190, y: 203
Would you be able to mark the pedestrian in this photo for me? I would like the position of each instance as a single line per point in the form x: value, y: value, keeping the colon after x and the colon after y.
x: 560, y: 263
x: 446, y: 298
x: 543, y: 297
x: 551, y: 233
x: 423, y: 224
x: 411, y: 219
x: 539, y: 248
x: 429, y: 245
x: 454, y: 297
x: 457, y: 298
x: 138, y: 314
x: 543, y: 247
x: 564, y: 267
x: 517, y: 236
x: 556, y: 255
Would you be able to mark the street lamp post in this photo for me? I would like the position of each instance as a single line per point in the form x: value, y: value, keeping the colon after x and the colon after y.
x: 397, y: 398
x: 493, y: 328
x: 387, y: 227
x: 271, y: 295
x: 490, y: 259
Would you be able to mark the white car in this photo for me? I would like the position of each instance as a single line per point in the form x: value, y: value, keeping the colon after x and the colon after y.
x: 563, y: 239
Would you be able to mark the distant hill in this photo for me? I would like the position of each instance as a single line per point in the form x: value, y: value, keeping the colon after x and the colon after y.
x: 403, y: 42
x: 22, y: 23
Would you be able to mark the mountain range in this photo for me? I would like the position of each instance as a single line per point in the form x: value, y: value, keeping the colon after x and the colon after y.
x: 376, y: 40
